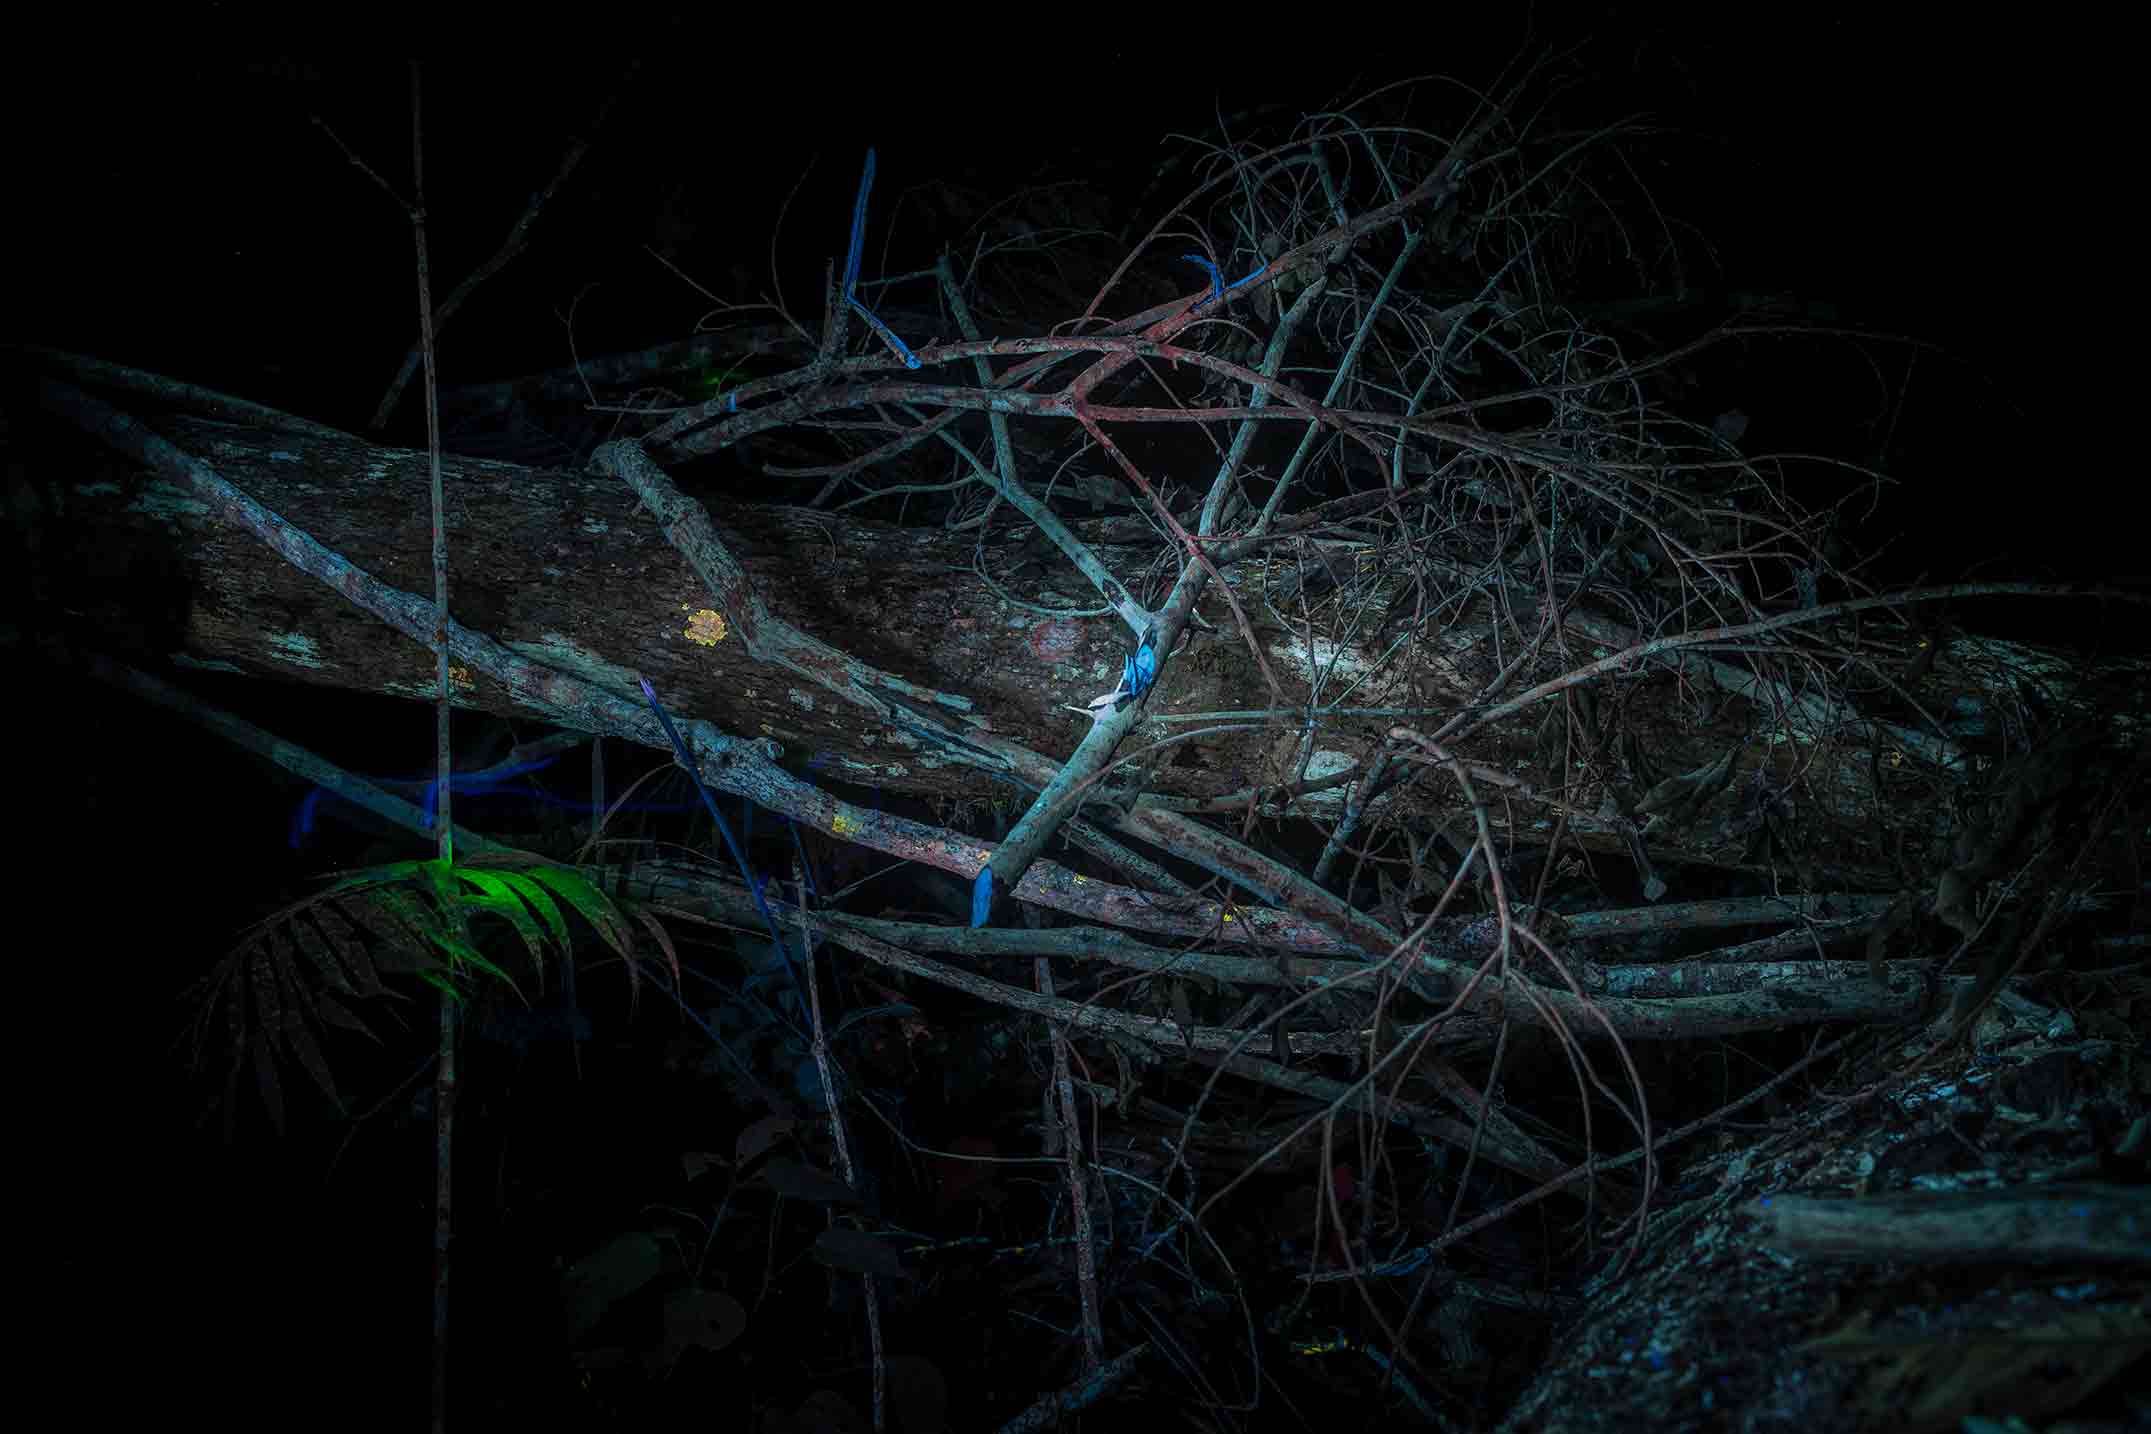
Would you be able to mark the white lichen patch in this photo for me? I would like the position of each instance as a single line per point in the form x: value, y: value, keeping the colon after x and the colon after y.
x: 564, y: 654
x: 1328, y: 764
x: 1350, y: 662
x: 297, y: 649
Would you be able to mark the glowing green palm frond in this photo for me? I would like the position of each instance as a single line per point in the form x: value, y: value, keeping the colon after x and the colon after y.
x: 309, y: 966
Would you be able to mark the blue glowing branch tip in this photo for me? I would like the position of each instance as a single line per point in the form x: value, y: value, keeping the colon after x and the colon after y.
x: 724, y: 830
x: 1139, y: 671
x: 858, y: 225
x: 1217, y: 281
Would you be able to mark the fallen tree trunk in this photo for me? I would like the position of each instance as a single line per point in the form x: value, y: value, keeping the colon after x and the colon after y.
x: 567, y: 568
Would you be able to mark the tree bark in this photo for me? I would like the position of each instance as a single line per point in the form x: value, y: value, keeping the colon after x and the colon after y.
x: 569, y: 570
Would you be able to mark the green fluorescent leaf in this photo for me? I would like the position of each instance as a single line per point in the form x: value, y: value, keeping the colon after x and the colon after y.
x: 596, y: 907
x: 442, y: 984
x: 502, y: 900
x: 535, y: 897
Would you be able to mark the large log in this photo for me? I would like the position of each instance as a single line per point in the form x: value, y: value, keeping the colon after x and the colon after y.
x: 566, y: 568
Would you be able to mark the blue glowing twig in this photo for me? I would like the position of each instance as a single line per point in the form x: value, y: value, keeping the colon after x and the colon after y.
x: 1217, y: 283
x: 1218, y: 287
x: 487, y: 783
x: 476, y: 784
x: 858, y: 226
x: 724, y: 829
x: 888, y: 336
x: 851, y: 269
x: 1140, y: 670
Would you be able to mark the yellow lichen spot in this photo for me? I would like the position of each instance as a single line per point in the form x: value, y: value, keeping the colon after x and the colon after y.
x: 706, y: 627
x: 460, y: 678
x: 1226, y: 915
x: 1081, y: 879
x: 841, y: 825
